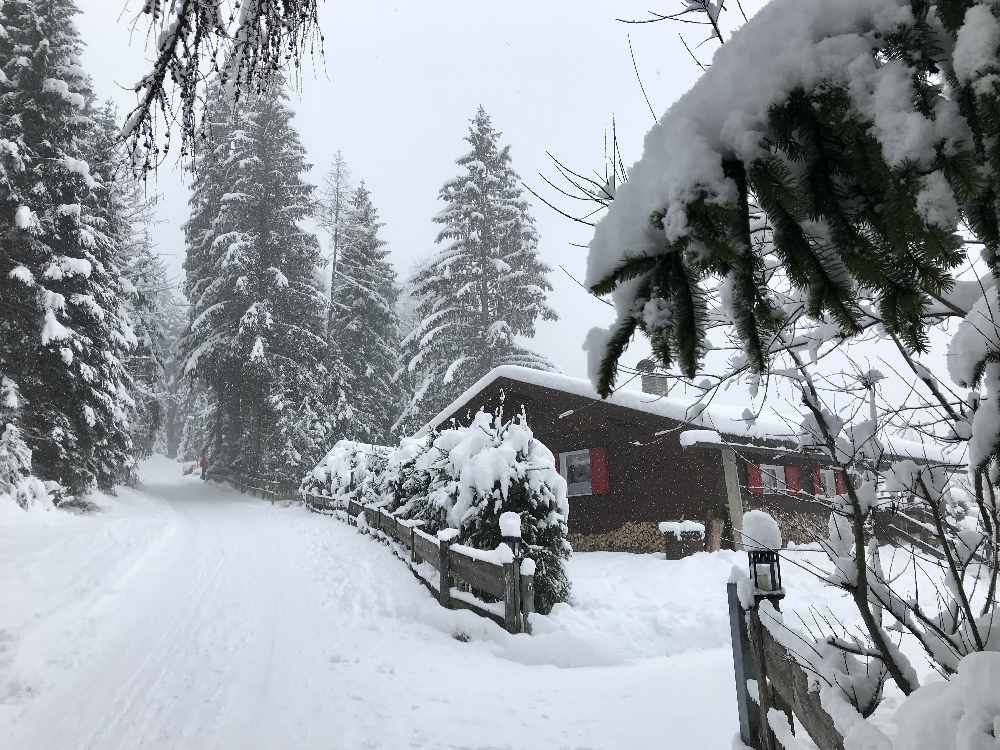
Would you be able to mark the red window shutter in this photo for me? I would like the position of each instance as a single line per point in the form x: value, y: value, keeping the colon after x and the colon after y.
x: 754, y: 483
x: 792, y: 482
x: 598, y: 471
x: 817, y: 480
x: 841, y: 481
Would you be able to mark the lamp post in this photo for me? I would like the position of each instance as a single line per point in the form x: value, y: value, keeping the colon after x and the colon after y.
x: 510, y: 530
x: 765, y: 574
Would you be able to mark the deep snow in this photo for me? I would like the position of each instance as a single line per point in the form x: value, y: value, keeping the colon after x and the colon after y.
x: 187, y: 615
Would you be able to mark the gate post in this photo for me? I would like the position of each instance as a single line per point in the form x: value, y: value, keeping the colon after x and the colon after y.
x: 743, y: 668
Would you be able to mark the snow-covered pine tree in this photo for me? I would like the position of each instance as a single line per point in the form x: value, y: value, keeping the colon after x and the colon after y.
x: 202, y: 418
x: 529, y: 485
x: 64, y: 330
x: 483, y: 288
x: 257, y: 334
x: 177, y: 386
x: 152, y: 304
x: 465, y: 476
x: 365, y: 334
x: 334, y: 208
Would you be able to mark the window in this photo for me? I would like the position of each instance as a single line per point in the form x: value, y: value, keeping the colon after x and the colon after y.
x: 773, y: 479
x: 575, y: 468
x: 828, y: 477
x: 585, y: 471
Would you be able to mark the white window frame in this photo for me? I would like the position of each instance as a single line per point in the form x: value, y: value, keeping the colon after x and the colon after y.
x: 773, y: 480
x: 579, y: 489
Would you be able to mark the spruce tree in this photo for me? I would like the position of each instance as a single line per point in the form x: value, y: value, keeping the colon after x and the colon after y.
x: 334, y: 210
x: 152, y: 305
x: 203, y: 422
x: 64, y: 330
x: 256, y: 338
x: 365, y: 332
x: 483, y: 288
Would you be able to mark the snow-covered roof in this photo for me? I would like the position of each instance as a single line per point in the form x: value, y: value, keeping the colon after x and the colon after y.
x: 722, y: 418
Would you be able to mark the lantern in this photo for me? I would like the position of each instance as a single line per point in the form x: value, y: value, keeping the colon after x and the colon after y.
x: 765, y: 572
x: 510, y: 530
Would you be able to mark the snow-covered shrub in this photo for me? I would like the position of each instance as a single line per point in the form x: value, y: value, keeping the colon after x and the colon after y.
x: 15, y: 458
x: 501, y: 467
x: 32, y: 493
x: 410, y: 475
x: 347, y: 472
x: 464, y: 478
x: 16, y: 482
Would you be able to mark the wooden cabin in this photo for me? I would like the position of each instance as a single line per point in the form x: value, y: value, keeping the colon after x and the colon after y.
x: 638, y: 459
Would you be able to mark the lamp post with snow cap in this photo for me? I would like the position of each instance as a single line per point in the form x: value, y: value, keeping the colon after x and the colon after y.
x: 762, y: 540
x: 510, y: 530
x: 765, y: 573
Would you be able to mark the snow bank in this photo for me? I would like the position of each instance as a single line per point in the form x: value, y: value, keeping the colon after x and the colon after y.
x: 961, y: 714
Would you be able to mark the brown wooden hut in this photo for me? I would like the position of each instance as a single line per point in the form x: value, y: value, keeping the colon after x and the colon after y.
x: 637, y: 459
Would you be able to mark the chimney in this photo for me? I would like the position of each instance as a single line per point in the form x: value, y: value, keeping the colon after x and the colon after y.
x: 654, y: 384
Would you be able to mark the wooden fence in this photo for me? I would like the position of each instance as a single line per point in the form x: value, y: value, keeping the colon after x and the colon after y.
x: 268, y: 489
x: 769, y: 677
x: 453, y: 573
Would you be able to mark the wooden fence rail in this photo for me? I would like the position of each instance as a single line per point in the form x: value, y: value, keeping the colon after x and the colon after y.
x: 268, y: 489
x: 457, y: 567
x: 780, y: 681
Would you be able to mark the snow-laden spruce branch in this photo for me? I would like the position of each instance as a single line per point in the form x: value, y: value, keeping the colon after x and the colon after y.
x: 242, y: 43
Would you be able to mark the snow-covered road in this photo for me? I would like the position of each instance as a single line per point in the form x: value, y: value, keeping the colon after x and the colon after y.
x: 189, y: 616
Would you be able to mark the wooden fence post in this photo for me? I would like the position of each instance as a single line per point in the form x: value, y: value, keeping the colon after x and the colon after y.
x: 527, y: 600
x: 512, y: 595
x: 743, y: 668
x: 766, y: 699
x: 413, y: 547
x: 444, y: 595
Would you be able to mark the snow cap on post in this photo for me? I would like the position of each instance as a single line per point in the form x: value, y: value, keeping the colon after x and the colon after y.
x: 447, y: 535
x: 760, y: 531
x: 510, y: 524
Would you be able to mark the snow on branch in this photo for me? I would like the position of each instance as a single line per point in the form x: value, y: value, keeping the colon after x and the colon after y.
x: 242, y: 43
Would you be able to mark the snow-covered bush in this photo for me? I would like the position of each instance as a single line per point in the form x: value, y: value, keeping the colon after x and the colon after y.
x: 16, y: 483
x: 348, y: 472
x: 494, y: 467
x: 464, y: 478
x: 15, y: 458
x: 411, y: 474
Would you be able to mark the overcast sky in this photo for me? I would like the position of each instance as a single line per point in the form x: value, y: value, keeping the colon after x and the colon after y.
x: 398, y: 85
